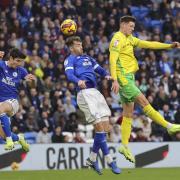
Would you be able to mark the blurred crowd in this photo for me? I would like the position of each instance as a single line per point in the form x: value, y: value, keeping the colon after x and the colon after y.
x: 49, y: 113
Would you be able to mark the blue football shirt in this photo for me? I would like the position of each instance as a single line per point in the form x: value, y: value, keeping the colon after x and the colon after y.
x: 10, y: 79
x: 83, y: 67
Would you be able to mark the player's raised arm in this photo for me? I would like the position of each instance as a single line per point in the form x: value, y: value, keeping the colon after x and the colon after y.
x: 156, y: 45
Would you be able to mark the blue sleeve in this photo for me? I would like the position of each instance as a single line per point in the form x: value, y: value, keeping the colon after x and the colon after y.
x: 98, y: 69
x: 24, y: 73
x: 69, y: 70
x: 1, y: 63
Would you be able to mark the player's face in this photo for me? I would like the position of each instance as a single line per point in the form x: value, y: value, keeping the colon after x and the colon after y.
x: 16, y: 62
x: 128, y: 28
x: 77, y: 48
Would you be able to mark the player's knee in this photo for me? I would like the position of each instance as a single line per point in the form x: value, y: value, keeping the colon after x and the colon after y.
x: 98, y: 126
x: 142, y: 101
x: 2, y: 110
x: 106, y: 125
x: 108, y: 128
x: 5, y: 108
x: 128, y: 114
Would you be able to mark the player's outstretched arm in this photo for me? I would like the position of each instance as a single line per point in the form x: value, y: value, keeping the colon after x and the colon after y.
x: 157, y: 45
x: 175, y: 45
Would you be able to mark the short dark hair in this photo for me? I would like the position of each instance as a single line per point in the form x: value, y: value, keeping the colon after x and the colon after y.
x: 70, y: 40
x: 127, y: 19
x: 16, y: 53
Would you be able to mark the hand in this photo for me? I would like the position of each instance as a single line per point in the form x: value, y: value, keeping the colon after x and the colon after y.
x: 175, y: 45
x: 108, y: 77
x: 30, y: 77
x: 115, y: 86
x: 82, y: 84
x: 1, y: 54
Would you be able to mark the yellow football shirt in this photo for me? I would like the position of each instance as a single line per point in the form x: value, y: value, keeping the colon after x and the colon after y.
x: 122, y: 59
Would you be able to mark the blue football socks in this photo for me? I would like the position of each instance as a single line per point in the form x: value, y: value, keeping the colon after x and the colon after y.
x: 5, y: 124
x: 100, y: 142
x: 96, y: 145
x: 104, y: 146
x: 15, y: 137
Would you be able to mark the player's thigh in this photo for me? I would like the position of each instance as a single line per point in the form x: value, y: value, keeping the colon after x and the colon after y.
x: 128, y: 91
x: 83, y: 106
x: 5, y: 107
x: 102, y: 109
x: 128, y: 109
x: 141, y: 100
x: 15, y: 106
x: 93, y: 104
x: 2, y: 132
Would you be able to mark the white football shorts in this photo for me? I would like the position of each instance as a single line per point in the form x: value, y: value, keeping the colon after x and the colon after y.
x: 93, y: 104
x: 15, y: 106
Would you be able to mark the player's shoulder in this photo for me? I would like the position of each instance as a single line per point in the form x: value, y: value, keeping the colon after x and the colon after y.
x: 134, y: 39
x: 69, y: 59
x: 2, y: 62
x: 117, y: 35
x: 115, y: 42
x: 133, y: 36
x: 115, y: 39
x: 22, y: 69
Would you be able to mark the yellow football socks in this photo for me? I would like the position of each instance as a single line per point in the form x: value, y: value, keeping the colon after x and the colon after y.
x: 155, y: 116
x: 126, y: 130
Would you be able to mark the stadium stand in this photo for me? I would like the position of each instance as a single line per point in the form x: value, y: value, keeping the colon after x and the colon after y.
x: 34, y: 27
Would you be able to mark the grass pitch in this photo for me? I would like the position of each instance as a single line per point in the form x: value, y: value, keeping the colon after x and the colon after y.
x: 86, y: 174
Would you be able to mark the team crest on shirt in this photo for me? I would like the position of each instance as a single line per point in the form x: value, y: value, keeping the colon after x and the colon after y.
x: 66, y: 62
x: 15, y: 74
x: 116, y: 42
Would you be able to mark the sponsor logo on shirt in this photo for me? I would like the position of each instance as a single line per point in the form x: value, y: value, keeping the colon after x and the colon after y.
x: 87, y: 62
x: 8, y: 81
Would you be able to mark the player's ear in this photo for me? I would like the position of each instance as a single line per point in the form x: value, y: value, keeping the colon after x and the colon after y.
x: 71, y: 48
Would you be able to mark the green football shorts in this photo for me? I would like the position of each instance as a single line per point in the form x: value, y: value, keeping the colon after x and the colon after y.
x: 128, y: 90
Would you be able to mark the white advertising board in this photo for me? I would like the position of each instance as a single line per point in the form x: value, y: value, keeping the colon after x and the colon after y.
x: 73, y: 156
